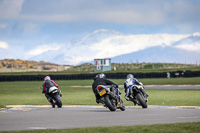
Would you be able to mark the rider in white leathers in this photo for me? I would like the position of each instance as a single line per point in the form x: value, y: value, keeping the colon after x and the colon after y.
x: 130, y: 81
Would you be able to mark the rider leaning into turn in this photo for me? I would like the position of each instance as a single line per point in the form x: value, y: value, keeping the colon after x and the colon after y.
x: 130, y: 81
x: 101, y: 79
x: 48, y: 83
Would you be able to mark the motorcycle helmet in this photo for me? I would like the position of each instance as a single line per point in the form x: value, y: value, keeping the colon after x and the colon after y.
x: 47, y: 78
x: 101, y: 75
x: 130, y: 76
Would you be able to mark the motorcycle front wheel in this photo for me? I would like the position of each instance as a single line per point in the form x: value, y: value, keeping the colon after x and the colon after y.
x: 108, y: 103
x: 141, y: 100
x: 58, y: 101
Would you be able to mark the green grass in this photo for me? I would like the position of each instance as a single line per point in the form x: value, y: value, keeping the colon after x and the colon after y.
x: 174, y: 97
x: 172, y: 81
x: 157, y: 128
x: 145, y: 81
x: 85, y: 96
x: 165, y: 81
x: 25, y: 93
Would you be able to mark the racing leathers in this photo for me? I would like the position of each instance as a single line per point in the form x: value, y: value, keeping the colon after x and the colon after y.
x: 46, y: 85
x: 128, y: 88
x: 100, y: 81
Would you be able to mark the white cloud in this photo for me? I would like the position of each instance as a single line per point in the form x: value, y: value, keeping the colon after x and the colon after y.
x: 115, y: 45
x: 120, y: 12
x: 3, y: 45
x: 190, y: 44
x: 123, y: 44
x: 44, y: 48
x: 105, y: 44
x: 190, y: 47
x: 10, y: 9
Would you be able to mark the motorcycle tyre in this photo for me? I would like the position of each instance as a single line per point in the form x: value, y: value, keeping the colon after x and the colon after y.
x: 141, y: 100
x: 58, y: 101
x: 108, y: 103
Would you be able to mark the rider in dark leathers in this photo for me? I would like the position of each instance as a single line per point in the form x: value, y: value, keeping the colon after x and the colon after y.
x: 101, y: 79
x: 48, y: 83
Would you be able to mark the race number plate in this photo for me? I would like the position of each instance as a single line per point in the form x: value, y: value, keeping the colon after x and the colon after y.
x: 101, y: 93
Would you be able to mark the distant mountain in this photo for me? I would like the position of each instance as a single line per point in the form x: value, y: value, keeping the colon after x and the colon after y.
x: 188, y: 40
x: 121, y: 48
x: 71, y: 53
x: 99, y: 35
x: 166, y: 54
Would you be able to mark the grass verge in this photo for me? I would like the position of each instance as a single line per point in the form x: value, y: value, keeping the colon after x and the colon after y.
x: 157, y: 128
x: 165, y: 81
x: 26, y: 93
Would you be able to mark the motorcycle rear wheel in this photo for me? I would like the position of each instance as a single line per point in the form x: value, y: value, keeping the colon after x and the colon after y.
x: 58, y: 101
x: 141, y: 100
x: 108, y: 103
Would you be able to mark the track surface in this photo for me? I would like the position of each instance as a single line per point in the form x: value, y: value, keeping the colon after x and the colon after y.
x: 31, y: 118
x: 175, y: 87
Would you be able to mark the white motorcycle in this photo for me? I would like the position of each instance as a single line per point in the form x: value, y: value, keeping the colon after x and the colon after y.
x: 56, y: 95
x: 138, y: 96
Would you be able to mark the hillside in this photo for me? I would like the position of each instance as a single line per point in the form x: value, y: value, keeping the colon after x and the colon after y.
x: 8, y: 65
x: 24, y: 67
x: 136, y: 67
x: 160, y: 54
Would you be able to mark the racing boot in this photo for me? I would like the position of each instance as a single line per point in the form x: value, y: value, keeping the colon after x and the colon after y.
x: 52, y: 103
x: 98, y: 100
x: 144, y: 93
x: 133, y: 100
x: 60, y: 93
x: 119, y: 104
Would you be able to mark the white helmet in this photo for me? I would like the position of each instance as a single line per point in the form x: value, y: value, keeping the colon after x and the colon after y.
x: 101, y: 75
x: 130, y: 76
x: 47, y: 78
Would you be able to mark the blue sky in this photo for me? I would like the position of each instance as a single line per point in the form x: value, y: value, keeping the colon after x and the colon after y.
x: 30, y: 23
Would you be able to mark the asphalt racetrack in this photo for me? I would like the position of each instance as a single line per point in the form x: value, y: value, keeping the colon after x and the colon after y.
x: 31, y: 117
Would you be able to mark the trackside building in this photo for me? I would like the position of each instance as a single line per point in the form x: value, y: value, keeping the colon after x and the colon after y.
x: 102, y: 65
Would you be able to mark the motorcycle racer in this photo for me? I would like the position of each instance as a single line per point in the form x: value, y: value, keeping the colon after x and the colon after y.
x: 129, y: 82
x: 46, y: 85
x: 101, y: 79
